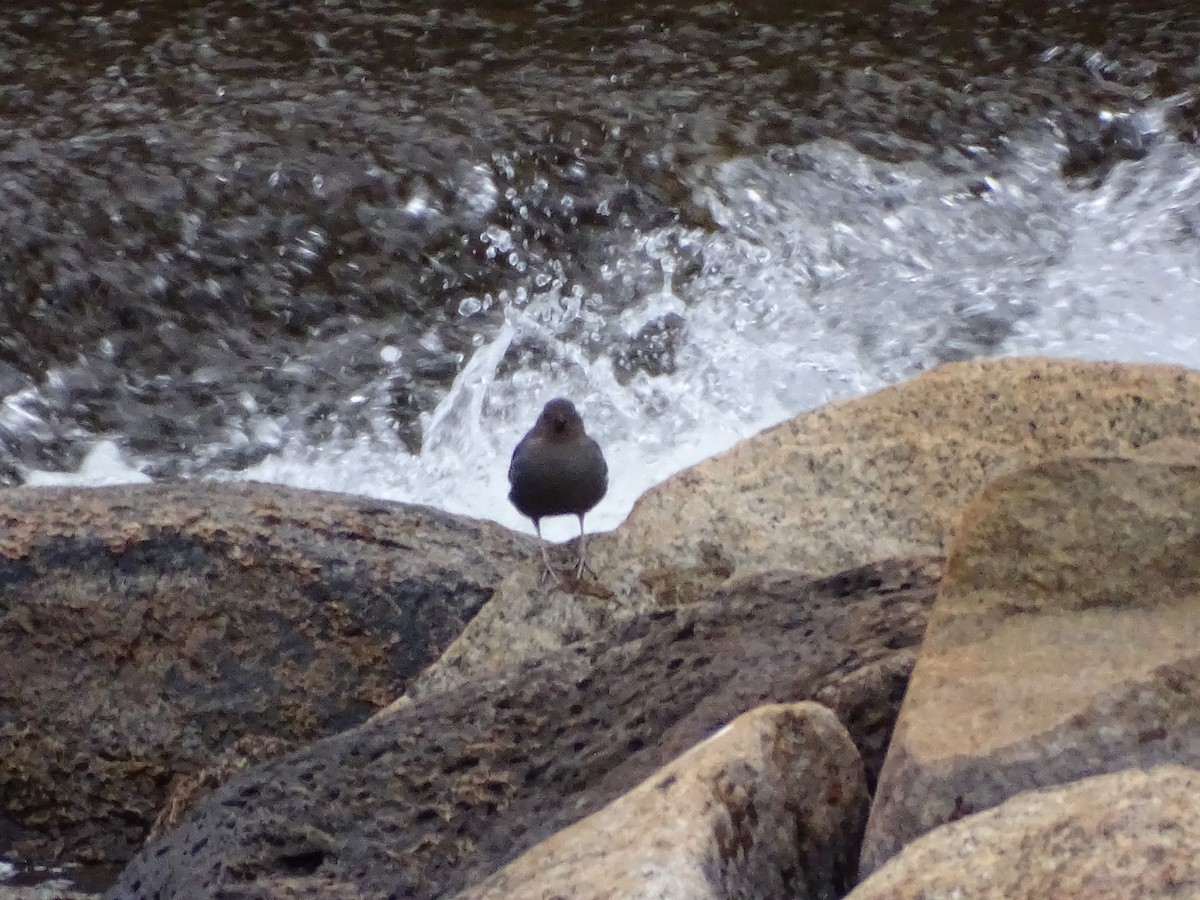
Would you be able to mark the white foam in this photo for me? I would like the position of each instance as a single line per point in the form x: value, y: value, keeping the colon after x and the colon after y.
x: 824, y: 280
x: 103, y: 465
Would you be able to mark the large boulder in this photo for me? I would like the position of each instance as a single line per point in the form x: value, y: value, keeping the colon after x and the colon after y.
x: 510, y: 736
x: 771, y: 806
x: 143, y: 629
x: 1132, y: 834
x: 877, y: 477
x: 1065, y: 643
x: 441, y: 792
x: 885, y: 475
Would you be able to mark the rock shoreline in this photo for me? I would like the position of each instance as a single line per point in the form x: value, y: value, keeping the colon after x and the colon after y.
x: 887, y: 648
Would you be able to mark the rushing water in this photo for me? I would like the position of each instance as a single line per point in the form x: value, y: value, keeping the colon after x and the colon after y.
x: 356, y: 245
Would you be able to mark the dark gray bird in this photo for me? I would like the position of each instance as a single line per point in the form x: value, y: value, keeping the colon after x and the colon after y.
x: 557, y: 470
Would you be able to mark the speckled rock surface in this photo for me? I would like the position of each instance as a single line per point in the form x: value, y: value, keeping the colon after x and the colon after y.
x: 1132, y: 834
x: 771, y: 806
x: 882, y: 476
x: 145, y: 628
x: 529, y: 618
x: 442, y: 792
x: 1065, y: 643
x: 877, y: 477
x: 186, y: 790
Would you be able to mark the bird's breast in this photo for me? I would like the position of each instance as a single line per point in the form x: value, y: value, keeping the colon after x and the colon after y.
x: 554, y: 479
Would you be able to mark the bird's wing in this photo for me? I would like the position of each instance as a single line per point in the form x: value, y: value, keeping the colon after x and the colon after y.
x: 603, y: 462
x: 512, y: 463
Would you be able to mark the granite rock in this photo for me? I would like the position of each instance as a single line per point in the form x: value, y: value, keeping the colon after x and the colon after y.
x: 144, y: 629
x: 883, y: 476
x: 186, y: 790
x: 876, y: 477
x: 441, y: 792
x: 1128, y: 834
x: 771, y: 806
x: 1065, y: 642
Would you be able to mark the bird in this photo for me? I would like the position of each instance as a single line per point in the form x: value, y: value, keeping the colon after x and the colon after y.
x: 557, y: 470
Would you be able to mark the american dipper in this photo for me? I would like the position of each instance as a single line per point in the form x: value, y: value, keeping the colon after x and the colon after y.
x: 557, y: 470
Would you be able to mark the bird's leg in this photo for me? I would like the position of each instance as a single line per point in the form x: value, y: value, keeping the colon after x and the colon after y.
x: 549, y: 569
x: 583, y: 552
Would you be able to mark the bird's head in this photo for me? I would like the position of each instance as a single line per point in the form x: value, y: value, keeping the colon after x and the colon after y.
x: 560, y: 418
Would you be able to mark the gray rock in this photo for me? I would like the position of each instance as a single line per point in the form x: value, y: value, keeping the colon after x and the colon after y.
x: 54, y: 889
x: 144, y: 629
x: 438, y: 794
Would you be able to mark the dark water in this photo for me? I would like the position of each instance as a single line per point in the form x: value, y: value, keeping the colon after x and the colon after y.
x: 213, y: 216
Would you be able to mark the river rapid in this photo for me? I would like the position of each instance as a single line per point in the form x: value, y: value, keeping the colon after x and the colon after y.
x: 356, y: 245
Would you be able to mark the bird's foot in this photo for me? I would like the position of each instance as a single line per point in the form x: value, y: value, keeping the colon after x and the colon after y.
x: 571, y: 579
x: 550, y: 574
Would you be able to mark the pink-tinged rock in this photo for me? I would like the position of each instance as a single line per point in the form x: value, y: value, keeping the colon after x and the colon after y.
x: 1064, y: 643
x: 885, y: 475
x: 771, y: 806
x: 1131, y: 835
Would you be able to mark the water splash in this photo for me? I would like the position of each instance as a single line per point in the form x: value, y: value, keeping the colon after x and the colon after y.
x: 827, y: 274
